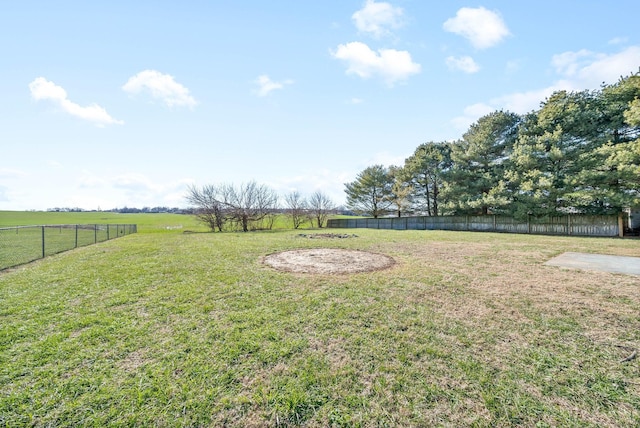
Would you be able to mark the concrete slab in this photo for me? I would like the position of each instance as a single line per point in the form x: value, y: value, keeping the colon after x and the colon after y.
x: 598, y: 262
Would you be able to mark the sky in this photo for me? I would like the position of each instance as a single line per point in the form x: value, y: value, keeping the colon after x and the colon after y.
x: 118, y: 104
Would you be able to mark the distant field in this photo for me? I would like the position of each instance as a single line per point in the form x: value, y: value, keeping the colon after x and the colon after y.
x: 174, y: 329
x: 147, y: 223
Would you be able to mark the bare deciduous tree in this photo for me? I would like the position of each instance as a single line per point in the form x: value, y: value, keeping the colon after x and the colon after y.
x: 320, y: 206
x: 208, y: 207
x: 241, y: 206
x: 249, y: 203
x: 297, y: 208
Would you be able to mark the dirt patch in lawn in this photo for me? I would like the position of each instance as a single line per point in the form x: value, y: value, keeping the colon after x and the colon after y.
x: 328, y: 261
x: 326, y: 235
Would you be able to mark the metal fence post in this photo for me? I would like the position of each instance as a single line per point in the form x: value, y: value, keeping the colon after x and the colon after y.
x: 24, y: 249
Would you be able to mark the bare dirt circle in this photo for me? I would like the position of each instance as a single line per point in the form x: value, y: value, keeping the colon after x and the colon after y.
x: 327, y: 261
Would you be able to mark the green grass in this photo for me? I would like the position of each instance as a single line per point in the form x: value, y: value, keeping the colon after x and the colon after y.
x: 174, y: 329
x: 25, y: 245
x: 147, y: 222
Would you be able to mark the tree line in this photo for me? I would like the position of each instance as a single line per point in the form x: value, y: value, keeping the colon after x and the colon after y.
x: 579, y: 153
x: 254, y: 206
x: 124, y: 210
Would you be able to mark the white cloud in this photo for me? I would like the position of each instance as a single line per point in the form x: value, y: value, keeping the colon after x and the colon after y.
x: 386, y: 159
x: 12, y: 173
x: 568, y: 63
x: 43, y: 89
x: 91, y: 181
x: 618, y: 40
x: 131, y: 189
x: 463, y: 63
x: 160, y: 86
x: 391, y: 65
x: 378, y: 19
x: 54, y: 164
x: 482, y: 27
x: 13, y: 178
x: 266, y: 85
x: 471, y: 114
x: 513, y: 66
x: 355, y: 101
x: 134, y: 182
x: 327, y: 181
x: 524, y: 102
x: 587, y: 70
x: 518, y: 102
x: 331, y: 182
x: 576, y: 71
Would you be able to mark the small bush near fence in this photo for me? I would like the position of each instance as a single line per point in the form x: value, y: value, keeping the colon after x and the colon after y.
x: 23, y: 244
x: 577, y: 225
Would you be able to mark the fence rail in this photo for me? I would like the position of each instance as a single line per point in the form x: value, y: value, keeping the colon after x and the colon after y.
x: 577, y: 225
x: 24, y: 244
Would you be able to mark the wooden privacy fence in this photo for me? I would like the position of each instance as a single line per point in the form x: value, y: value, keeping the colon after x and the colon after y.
x: 577, y: 225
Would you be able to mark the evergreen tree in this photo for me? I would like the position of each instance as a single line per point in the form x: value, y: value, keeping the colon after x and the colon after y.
x: 371, y: 191
x: 401, y: 190
x: 425, y: 170
x: 602, y: 186
x: 476, y: 183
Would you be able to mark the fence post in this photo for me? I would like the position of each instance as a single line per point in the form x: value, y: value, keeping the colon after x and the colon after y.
x: 43, y: 253
x: 76, y: 236
x: 95, y: 233
x: 620, y: 226
x: 568, y: 224
x: 529, y: 223
x: 107, y: 232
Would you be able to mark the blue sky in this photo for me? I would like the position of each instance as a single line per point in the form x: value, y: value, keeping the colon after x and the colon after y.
x: 126, y: 103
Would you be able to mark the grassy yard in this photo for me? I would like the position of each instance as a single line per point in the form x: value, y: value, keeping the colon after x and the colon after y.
x: 191, y: 329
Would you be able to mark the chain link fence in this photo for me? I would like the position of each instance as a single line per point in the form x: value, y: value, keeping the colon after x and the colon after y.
x: 23, y: 244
